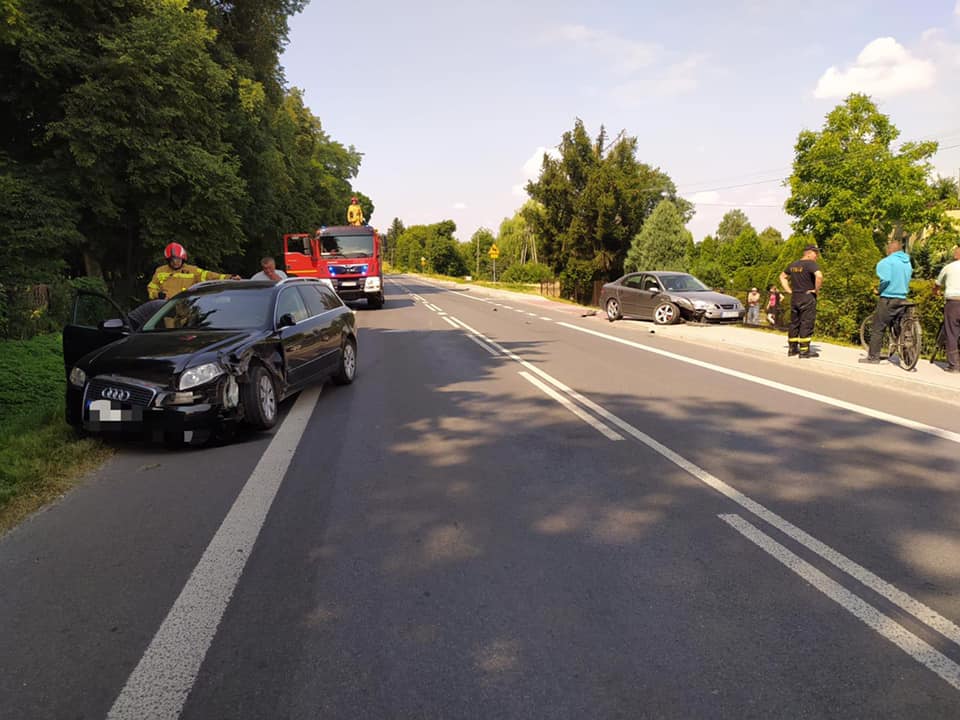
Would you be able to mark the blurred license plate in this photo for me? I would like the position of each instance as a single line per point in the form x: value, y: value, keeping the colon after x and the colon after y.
x: 729, y: 314
x: 348, y: 283
x: 107, y: 411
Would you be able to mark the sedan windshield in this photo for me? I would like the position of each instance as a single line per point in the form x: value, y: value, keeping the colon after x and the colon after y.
x: 682, y: 283
x: 224, y: 310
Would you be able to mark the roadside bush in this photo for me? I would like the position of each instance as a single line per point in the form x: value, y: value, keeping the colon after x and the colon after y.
x: 23, y: 317
x: 576, y: 280
x: 527, y: 273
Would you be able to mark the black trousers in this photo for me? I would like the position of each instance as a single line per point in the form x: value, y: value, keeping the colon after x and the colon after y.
x: 951, y: 328
x: 888, y: 312
x: 803, y: 315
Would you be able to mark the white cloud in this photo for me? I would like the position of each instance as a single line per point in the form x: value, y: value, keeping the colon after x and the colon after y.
x: 708, y: 196
x: 518, y: 191
x: 459, y: 206
x: 531, y: 168
x: 626, y: 56
x: 956, y: 9
x: 883, y: 68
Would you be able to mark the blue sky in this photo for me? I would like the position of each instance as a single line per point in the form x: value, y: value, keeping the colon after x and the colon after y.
x: 452, y: 103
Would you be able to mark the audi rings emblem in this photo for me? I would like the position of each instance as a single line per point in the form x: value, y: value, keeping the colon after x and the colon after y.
x: 115, y: 393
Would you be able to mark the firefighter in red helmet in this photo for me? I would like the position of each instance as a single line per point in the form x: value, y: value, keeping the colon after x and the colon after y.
x: 354, y: 213
x: 176, y: 276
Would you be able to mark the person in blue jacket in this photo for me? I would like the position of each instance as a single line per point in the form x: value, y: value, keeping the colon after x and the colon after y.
x: 894, y: 272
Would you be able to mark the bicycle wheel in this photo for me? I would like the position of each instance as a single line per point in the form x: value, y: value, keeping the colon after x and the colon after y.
x: 911, y: 342
x: 865, y: 327
x: 866, y: 330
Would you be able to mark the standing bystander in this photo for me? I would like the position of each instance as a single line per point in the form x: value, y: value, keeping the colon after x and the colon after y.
x: 802, y: 280
x: 753, y: 307
x: 949, y: 280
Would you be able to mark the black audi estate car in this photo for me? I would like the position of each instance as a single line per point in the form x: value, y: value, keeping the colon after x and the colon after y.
x: 217, y: 354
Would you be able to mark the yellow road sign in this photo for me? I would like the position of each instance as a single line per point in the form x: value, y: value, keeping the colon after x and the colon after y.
x: 494, y: 252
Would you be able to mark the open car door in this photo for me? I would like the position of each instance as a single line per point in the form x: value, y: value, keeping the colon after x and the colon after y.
x: 87, y: 328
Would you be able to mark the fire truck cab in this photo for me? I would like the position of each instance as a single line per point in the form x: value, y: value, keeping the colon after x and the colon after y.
x: 349, y: 256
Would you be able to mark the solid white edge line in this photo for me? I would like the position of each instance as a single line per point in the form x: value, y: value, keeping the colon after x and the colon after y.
x: 159, y: 685
x: 919, y: 610
x: 809, y: 395
x: 915, y: 647
x: 451, y: 322
x: 589, y: 419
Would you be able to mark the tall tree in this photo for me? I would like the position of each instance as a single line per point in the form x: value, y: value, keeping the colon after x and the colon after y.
x: 595, y: 198
x: 849, y: 172
x: 663, y: 243
x: 731, y: 225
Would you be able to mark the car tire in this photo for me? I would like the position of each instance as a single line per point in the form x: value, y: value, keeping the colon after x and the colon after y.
x: 666, y: 313
x: 613, y: 309
x: 259, y: 398
x: 347, y: 370
x: 374, y: 302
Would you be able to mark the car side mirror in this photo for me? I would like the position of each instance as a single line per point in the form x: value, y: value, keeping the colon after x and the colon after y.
x: 286, y: 320
x: 115, y: 325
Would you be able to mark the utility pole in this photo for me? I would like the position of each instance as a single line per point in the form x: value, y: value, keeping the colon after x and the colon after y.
x: 478, y: 258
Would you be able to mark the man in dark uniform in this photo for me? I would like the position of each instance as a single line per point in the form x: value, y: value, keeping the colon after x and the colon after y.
x: 802, y: 280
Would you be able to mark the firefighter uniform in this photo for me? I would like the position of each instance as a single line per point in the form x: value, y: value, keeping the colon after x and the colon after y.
x: 354, y: 213
x: 168, y: 281
x: 802, y: 275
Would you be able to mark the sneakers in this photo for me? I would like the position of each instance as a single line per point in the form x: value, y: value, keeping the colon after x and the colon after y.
x: 869, y: 360
x: 809, y: 354
x: 951, y: 369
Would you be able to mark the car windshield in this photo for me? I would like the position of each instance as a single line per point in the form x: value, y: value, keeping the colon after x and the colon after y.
x: 224, y: 310
x: 682, y: 283
x: 346, y: 245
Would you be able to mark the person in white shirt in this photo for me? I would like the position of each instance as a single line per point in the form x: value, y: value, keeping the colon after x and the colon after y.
x: 268, y: 271
x: 949, y: 280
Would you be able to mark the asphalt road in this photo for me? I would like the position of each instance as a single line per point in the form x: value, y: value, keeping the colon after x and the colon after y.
x: 515, y: 513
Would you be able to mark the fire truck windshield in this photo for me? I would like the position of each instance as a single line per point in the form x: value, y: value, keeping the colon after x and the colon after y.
x: 346, y: 245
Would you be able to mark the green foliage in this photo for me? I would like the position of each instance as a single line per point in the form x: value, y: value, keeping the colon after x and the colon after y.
x: 849, y: 280
x: 38, y: 451
x: 733, y: 223
x: 594, y: 199
x: 848, y: 172
x: 132, y: 123
x: 23, y: 317
x: 527, y: 273
x: 662, y: 244
x: 576, y: 280
x: 476, y: 258
x: 436, y: 244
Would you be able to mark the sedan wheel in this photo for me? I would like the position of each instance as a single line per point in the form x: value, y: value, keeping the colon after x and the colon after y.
x: 259, y: 398
x: 613, y: 310
x: 666, y: 314
x: 348, y: 364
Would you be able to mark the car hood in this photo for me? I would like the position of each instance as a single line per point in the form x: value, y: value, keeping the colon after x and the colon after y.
x: 158, y: 357
x: 710, y: 297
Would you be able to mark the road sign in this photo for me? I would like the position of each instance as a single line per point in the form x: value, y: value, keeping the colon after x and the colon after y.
x: 494, y: 252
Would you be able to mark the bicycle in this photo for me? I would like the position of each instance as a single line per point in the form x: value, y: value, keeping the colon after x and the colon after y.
x: 904, y: 338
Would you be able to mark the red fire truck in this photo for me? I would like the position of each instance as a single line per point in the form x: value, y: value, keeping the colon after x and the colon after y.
x: 349, y: 256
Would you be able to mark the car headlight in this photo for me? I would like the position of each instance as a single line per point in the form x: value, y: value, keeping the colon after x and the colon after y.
x: 78, y: 378
x: 200, y: 375
x: 701, y: 304
x: 372, y: 284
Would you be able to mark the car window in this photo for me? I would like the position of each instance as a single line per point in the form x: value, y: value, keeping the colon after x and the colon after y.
x: 331, y: 300
x: 90, y: 309
x: 634, y: 281
x: 291, y: 303
x: 312, y: 299
x: 650, y: 283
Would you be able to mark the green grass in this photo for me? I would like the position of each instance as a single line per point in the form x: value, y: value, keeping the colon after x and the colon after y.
x: 40, y: 455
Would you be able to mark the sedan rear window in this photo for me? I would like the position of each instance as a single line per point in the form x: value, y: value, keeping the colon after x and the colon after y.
x: 224, y: 310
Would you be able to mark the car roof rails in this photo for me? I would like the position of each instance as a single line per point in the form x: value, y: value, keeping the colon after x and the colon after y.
x: 291, y: 278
